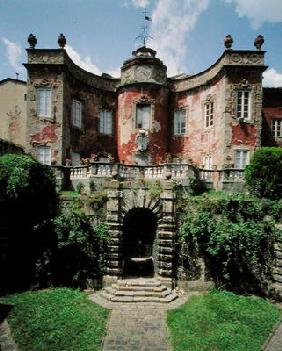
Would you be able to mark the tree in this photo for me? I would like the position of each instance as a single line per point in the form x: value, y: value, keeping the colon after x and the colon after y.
x: 264, y: 174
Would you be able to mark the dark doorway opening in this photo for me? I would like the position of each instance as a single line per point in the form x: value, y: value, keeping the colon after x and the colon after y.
x: 139, y: 230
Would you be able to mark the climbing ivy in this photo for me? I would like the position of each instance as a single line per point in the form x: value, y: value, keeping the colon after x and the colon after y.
x: 235, y: 237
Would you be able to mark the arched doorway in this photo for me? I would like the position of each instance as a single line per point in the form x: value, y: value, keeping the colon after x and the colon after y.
x: 139, y: 232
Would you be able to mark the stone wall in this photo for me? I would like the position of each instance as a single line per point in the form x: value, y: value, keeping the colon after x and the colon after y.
x: 13, y: 111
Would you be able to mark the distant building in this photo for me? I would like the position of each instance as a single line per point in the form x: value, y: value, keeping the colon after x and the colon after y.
x: 13, y: 111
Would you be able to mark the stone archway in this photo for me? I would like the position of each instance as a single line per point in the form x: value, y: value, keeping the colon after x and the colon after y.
x: 139, y: 239
x: 120, y: 202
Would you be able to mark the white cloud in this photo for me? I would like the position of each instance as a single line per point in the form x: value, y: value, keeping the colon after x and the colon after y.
x: 171, y: 22
x: 272, y: 78
x: 85, y: 63
x: 136, y: 3
x: 13, y: 53
x: 259, y: 11
x: 141, y: 3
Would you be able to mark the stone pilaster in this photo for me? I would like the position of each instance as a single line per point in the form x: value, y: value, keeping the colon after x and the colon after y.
x: 114, y: 268
x: 166, y: 231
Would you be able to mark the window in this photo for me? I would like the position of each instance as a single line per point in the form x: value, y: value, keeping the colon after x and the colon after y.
x: 76, y: 113
x: 241, y: 159
x: 208, y: 114
x: 44, y: 155
x: 243, y: 104
x: 179, y: 122
x: 207, y: 162
x: 276, y: 128
x: 143, y: 116
x: 106, y: 122
x: 43, y: 98
x: 75, y: 158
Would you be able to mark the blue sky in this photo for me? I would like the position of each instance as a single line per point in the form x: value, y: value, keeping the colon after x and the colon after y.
x: 188, y: 34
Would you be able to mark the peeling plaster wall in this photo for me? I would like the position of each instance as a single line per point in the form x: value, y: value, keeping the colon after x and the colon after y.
x: 246, y: 135
x: 127, y: 132
x: 41, y: 130
x: 199, y: 141
x: 87, y: 139
x: 13, y: 111
x: 272, y: 109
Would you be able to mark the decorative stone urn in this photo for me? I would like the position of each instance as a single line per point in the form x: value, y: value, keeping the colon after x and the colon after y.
x: 228, y: 41
x: 32, y: 40
x: 258, y: 42
x: 62, y: 40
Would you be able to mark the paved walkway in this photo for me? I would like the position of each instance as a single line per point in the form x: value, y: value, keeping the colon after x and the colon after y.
x: 6, y: 341
x: 137, y: 327
x: 275, y: 343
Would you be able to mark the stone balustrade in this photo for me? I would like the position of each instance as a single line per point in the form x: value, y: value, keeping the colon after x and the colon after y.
x: 215, y: 179
x: 164, y: 171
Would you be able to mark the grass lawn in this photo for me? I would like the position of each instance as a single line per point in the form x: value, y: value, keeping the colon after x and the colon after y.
x: 222, y: 321
x: 56, y: 320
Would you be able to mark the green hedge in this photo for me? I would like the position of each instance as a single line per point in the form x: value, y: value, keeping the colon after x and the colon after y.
x: 264, y: 174
x: 235, y: 237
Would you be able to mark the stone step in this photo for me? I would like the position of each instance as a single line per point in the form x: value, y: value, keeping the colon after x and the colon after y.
x: 142, y: 293
x: 148, y: 283
x: 277, y: 278
x: 139, y: 290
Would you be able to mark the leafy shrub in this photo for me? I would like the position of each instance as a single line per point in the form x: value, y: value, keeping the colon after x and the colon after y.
x: 27, y: 202
x: 234, y: 237
x: 22, y: 177
x: 80, y: 247
x: 264, y: 174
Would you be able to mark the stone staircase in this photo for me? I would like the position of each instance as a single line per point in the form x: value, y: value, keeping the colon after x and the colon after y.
x: 138, y: 290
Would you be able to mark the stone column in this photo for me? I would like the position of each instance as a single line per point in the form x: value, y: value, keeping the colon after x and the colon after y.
x: 166, y: 233
x: 114, y: 268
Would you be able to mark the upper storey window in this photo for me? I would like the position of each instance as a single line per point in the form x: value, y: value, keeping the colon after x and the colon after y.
x: 243, y: 104
x: 209, y: 114
x: 276, y: 128
x: 179, y: 122
x: 43, y: 154
x: 241, y: 158
x: 76, y: 113
x: 106, y: 122
x: 43, y: 98
x: 143, y: 116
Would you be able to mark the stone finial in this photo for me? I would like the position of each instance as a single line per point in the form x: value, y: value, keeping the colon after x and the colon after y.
x: 32, y: 40
x: 258, y: 42
x: 62, y: 40
x: 228, y: 41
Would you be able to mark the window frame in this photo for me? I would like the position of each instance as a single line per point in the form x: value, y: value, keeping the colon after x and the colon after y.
x: 207, y: 165
x: 76, y: 113
x: 49, y: 156
x: 47, y: 113
x: 146, y: 126
x: 208, y: 117
x: 243, y: 162
x: 105, y: 127
x: 277, y: 124
x: 240, y: 112
x: 180, y: 122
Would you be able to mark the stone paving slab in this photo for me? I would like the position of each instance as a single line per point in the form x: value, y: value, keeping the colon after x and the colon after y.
x: 275, y: 343
x: 137, y: 327
x: 6, y: 341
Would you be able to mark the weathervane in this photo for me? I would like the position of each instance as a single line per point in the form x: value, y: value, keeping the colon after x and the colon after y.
x: 144, y: 35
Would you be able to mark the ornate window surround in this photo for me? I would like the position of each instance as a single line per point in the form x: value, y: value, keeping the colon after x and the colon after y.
x: 185, y: 110
x: 243, y: 86
x: 210, y: 99
x: 139, y: 101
